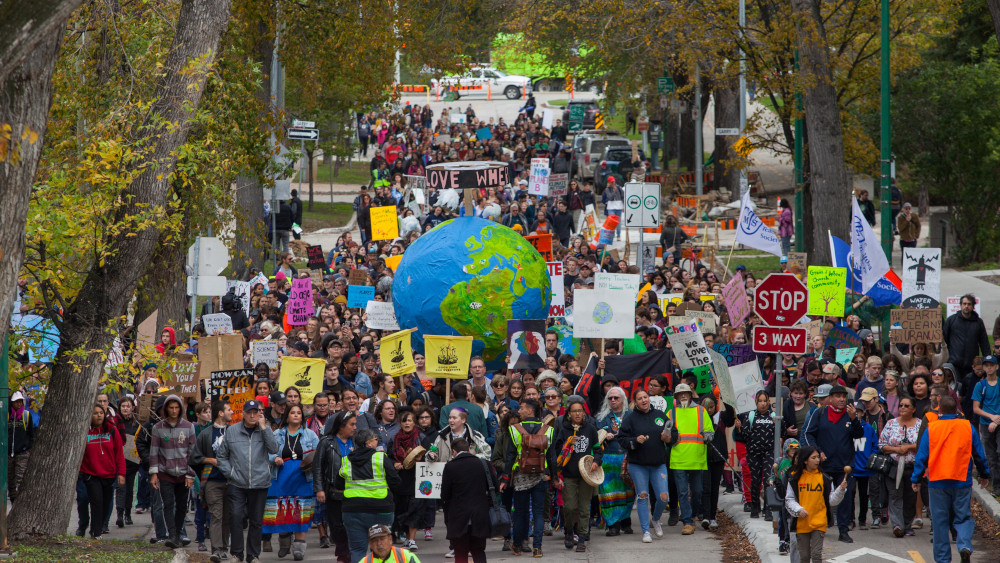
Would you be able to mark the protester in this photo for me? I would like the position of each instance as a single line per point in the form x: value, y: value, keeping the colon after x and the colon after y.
x: 169, y: 473
x: 369, y: 478
x: 574, y: 439
x: 899, y: 440
x: 756, y: 430
x: 20, y: 437
x: 103, y: 464
x: 528, y: 472
x: 333, y: 448
x: 204, y: 460
x: 290, y: 483
x: 382, y: 550
x: 642, y: 434
x: 690, y: 430
x: 465, y: 495
x: 810, y: 497
x: 986, y: 405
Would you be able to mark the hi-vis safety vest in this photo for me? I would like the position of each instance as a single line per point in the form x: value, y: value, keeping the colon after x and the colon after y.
x: 397, y: 555
x: 518, y: 441
x: 949, y: 449
x: 374, y: 488
x: 690, y: 451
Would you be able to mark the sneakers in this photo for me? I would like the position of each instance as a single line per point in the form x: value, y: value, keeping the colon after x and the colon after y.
x: 80, y: 532
x: 965, y: 554
x: 411, y: 545
x: 845, y: 537
x: 202, y: 546
x: 173, y: 543
x: 120, y: 522
x: 324, y: 542
x: 428, y: 535
x: 581, y: 546
x: 918, y: 523
x: 506, y: 544
x: 897, y: 531
x: 675, y: 517
x: 537, y: 552
x: 128, y: 520
x: 768, y: 516
x: 746, y: 507
x: 568, y: 541
x: 658, y: 529
x: 646, y: 538
x: 613, y: 531
x: 548, y: 529
x: 687, y: 530
x: 215, y: 557
x: 450, y: 554
x: 713, y: 525
x: 705, y: 524
x: 876, y: 523
x: 515, y: 549
x: 782, y: 548
x: 627, y: 530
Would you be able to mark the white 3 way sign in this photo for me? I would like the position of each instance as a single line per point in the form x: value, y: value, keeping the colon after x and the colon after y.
x: 642, y: 204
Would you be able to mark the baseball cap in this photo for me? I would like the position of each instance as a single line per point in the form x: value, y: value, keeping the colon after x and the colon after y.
x: 277, y: 397
x: 991, y: 359
x: 823, y: 391
x: 301, y: 346
x: 838, y: 389
x: 522, y: 182
x: 741, y: 268
x: 831, y: 368
x: 328, y: 277
x: 378, y: 530
x: 611, y: 179
x: 682, y: 388
x: 868, y: 394
x: 251, y: 405
x: 17, y: 396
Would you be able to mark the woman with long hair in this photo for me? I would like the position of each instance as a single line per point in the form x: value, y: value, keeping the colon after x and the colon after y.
x: 919, y: 388
x: 409, y: 510
x: 575, y: 437
x: 337, y: 443
x: 899, y: 440
x: 893, y: 393
x: 809, y: 498
x: 290, y: 498
x: 103, y: 463
x: 756, y: 430
x: 917, y: 351
x: 128, y: 425
x: 515, y: 391
x: 616, y: 494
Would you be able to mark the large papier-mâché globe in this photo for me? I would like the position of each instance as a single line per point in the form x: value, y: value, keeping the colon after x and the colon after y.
x: 468, y: 277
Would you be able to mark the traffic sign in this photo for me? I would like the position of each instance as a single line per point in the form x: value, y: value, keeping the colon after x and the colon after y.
x: 299, y: 124
x: 781, y: 300
x: 665, y: 84
x: 727, y: 131
x: 779, y: 339
x: 213, y: 256
x: 303, y: 134
x: 598, y: 120
x: 576, y: 114
x: 642, y: 204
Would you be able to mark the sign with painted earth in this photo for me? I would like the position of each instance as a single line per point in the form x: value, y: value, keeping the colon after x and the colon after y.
x: 468, y: 277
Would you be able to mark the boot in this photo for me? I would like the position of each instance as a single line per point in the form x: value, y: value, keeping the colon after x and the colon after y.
x: 120, y: 522
x: 324, y: 536
x: 299, y: 549
x: 568, y: 539
x: 675, y: 516
x: 284, y: 544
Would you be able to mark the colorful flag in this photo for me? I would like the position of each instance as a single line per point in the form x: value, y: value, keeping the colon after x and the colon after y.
x: 888, y: 290
x: 397, y: 354
x: 448, y: 356
x: 752, y: 232
x: 866, y: 252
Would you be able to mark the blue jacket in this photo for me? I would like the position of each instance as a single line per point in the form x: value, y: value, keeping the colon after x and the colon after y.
x: 309, y: 443
x: 836, y: 441
x: 864, y: 447
x: 923, y: 456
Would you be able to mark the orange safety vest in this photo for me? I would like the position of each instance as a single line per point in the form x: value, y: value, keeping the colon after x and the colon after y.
x: 931, y: 417
x: 950, y: 449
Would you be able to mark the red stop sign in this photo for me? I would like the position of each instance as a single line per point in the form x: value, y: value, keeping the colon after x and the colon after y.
x: 781, y: 300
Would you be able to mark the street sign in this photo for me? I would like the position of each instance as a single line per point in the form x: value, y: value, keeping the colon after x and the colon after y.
x: 576, y: 114
x: 663, y: 102
x: 299, y: 124
x: 642, y: 124
x: 598, y: 120
x: 727, y: 131
x: 778, y: 339
x: 665, y: 84
x: 303, y: 134
x: 213, y: 257
x: 642, y: 204
x: 207, y: 285
x: 781, y: 300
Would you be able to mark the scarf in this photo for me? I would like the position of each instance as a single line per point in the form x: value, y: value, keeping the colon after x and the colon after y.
x: 17, y: 413
x: 834, y: 415
x: 404, y: 442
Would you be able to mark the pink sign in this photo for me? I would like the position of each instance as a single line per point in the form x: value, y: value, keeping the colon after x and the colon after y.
x: 300, y: 302
x: 734, y: 295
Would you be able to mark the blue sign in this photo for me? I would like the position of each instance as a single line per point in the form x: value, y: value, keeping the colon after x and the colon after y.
x: 358, y: 296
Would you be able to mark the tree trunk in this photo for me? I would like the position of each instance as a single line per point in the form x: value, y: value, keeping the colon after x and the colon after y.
x: 310, y: 155
x: 727, y: 114
x: 251, y: 229
x: 49, y: 483
x: 27, y: 28
x: 25, y: 98
x: 995, y: 12
x: 830, y: 185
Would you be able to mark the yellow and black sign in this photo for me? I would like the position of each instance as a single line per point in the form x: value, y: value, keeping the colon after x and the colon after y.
x: 743, y: 147
x: 598, y: 120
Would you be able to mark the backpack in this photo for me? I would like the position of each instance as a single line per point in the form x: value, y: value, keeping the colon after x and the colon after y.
x: 531, y: 459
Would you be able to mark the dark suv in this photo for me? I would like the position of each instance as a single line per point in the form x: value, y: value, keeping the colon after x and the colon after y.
x: 617, y: 161
x: 590, y: 110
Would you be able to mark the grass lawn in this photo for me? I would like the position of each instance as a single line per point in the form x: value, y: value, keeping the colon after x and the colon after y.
x: 80, y: 549
x: 758, y: 263
x: 559, y: 103
x: 356, y: 173
x: 324, y: 215
x: 766, y: 102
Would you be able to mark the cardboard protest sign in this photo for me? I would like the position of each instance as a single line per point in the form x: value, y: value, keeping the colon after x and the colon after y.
x: 217, y: 323
x: 558, y: 184
x: 180, y: 374
x: 300, y: 302
x: 921, y: 278
x: 688, y: 345
x: 797, y: 263
x: 315, y: 276
x: 357, y: 277
x: 603, y: 314
x: 543, y: 244
x: 813, y: 327
x: 384, y: 225
x: 447, y: 356
x: 709, y: 321
x: 538, y: 180
x: 392, y: 262
x: 747, y: 381
x: 381, y: 315
x: 216, y: 353
x: 604, y: 281
x: 144, y: 406
x: 842, y: 337
x: 234, y: 386
x: 358, y: 296
x: 146, y: 332
x: 265, y: 351
x: 304, y: 373
x: 427, y: 484
x: 916, y: 325
x: 557, y: 303
x: 687, y: 306
x: 827, y: 291
x: 317, y: 261
x: 734, y: 295
x: 525, y: 344
x: 396, y: 353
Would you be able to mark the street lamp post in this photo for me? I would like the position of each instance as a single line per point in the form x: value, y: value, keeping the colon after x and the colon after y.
x: 886, y: 139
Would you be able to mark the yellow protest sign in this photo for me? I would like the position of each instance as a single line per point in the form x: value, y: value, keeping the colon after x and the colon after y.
x: 384, y: 224
x: 396, y: 354
x: 305, y: 374
x: 393, y: 261
x: 642, y: 290
x: 827, y: 287
x: 448, y: 356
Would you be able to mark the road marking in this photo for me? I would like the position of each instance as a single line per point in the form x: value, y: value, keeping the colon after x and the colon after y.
x: 845, y: 558
x: 915, y: 555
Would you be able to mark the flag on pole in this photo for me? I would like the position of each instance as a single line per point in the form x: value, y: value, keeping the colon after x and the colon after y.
x: 866, y: 253
x: 887, y: 291
x: 752, y: 232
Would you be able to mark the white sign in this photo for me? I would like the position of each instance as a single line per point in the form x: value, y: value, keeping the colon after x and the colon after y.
x: 688, y: 345
x: 303, y: 124
x: 614, y: 282
x: 457, y: 117
x: 427, y: 483
x: 708, y: 320
x: 557, y: 305
x: 921, y: 278
x: 642, y: 204
x: 746, y: 381
x: 547, y: 117
x: 264, y: 351
x: 955, y: 305
x: 538, y: 181
x: 213, y: 258
x: 558, y: 184
x: 241, y: 290
x: 381, y: 316
x: 218, y: 323
x: 207, y: 285
x: 726, y: 131
x: 722, y: 377
x: 603, y: 314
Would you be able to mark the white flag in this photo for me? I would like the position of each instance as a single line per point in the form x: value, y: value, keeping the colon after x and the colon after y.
x: 752, y: 232
x: 866, y: 253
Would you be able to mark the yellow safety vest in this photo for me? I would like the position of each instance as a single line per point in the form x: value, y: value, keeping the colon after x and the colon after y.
x: 690, y: 451
x: 374, y: 488
x: 515, y: 436
x: 397, y: 555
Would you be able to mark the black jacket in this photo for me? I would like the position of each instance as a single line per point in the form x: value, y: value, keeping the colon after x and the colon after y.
x: 727, y: 418
x: 295, y: 204
x: 562, y: 225
x: 361, y: 468
x: 465, y: 489
x: 144, y: 441
x: 326, y: 469
x: 531, y: 427
x: 638, y: 423
x: 21, y: 434
x: 283, y: 220
x: 586, y: 444
x: 966, y: 339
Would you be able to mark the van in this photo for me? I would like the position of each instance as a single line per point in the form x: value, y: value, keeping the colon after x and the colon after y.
x: 589, y: 145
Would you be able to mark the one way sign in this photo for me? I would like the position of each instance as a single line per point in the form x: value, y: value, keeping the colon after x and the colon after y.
x: 642, y: 204
x: 303, y: 134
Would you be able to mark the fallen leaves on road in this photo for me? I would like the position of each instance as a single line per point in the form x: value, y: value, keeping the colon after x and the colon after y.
x: 736, y: 548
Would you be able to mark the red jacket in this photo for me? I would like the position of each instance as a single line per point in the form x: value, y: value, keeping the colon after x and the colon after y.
x: 105, y: 454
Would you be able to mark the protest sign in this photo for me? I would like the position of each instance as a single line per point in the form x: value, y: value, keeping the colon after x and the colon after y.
x: 709, y: 321
x: 603, y: 314
x: 915, y: 325
x: 180, y: 374
x: 243, y: 290
x: 217, y: 323
x: 265, y: 351
x: 921, y: 278
x: 304, y: 373
x: 357, y: 277
x: 543, y: 244
x: 384, y: 225
x: 842, y: 337
x: 216, y: 353
x: 557, y: 302
x: 705, y: 377
x: 827, y: 287
x: 484, y: 134
x: 734, y: 295
x: 722, y: 377
x: 567, y: 344
x: 316, y: 259
x: 797, y: 263
x: 955, y: 305
x: 538, y: 180
x: 668, y: 298
x: 736, y: 354
x: 845, y: 355
x: 558, y: 184
x: 525, y: 343
x: 393, y: 261
x: 300, y: 302
x: 396, y: 353
x: 427, y: 484
x: 315, y: 276
x: 686, y: 306
x: 447, y: 356
x: 631, y: 372
x: 812, y: 327
x: 358, y: 296
x: 688, y: 345
x: 604, y: 281
x: 587, y: 226
x: 234, y: 386
x: 381, y: 315
x: 147, y: 332
x: 746, y: 380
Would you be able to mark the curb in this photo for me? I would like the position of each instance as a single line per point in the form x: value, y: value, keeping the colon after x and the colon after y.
x: 337, y: 230
x: 986, y: 500
x: 180, y: 556
x: 758, y: 531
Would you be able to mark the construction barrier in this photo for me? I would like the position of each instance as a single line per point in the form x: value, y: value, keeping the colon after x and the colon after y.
x: 730, y: 224
x: 708, y: 177
x: 412, y: 88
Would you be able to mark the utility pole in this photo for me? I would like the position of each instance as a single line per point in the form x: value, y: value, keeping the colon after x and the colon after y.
x: 743, y: 92
x: 696, y: 117
x: 800, y: 233
x: 885, y: 159
x: 5, y: 405
x: 276, y: 106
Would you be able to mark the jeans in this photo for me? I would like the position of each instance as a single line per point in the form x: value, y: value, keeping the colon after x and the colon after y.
x: 530, y: 504
x: 156, y: 514
x: 902, y: 501
x: 200, y: 521
x: 281, y: 239
x: 174, y: 497
x: 82, y: 504
x: 142, y: 496
x: 688, y: 479
x: 218, y: 508
x: 991, y: 444
x: 844, y: 509
x: 124, y: 495
x: 99, y: 495
x: 357, y: 525
x: 246, y: 503
x: 338, y: 535
x: 644, y: 476
x: 786, y: 245
x: 951, y: 505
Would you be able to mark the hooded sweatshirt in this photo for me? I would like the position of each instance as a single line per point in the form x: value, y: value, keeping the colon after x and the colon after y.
x: 173, y: 341
x: 650, y: 423
x: 171, y: 445
x: 104, y: 456
x: 361, y: 468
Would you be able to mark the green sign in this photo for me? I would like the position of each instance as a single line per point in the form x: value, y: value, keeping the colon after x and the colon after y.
x: 576, y: 114
x: 665, y: 84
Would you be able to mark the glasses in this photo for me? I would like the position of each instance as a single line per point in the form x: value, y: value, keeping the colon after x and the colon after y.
x: 547, y: 397
x: 614, y: 398
x: 937, y: 373
x: 901, y: 405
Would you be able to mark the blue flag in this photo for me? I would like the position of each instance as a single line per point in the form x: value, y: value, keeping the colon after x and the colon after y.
x: 887, y: 291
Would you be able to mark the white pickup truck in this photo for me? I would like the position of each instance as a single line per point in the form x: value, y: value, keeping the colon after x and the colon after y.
x: 511, y: 86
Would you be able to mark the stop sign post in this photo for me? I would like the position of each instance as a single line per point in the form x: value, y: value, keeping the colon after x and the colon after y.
x: 781, y: 300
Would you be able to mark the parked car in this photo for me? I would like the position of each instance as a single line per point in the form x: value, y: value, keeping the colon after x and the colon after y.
x: 617, y: 161
x: 589, y: 145
x: 510, y: 85
x: 590, y: 111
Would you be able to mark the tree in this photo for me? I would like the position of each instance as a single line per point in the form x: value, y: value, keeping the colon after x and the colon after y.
x: 995, y: 12
x: 27, y: 26
x: 146, y: 170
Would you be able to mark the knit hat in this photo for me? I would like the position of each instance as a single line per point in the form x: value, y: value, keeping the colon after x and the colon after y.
x: 863, y: 333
